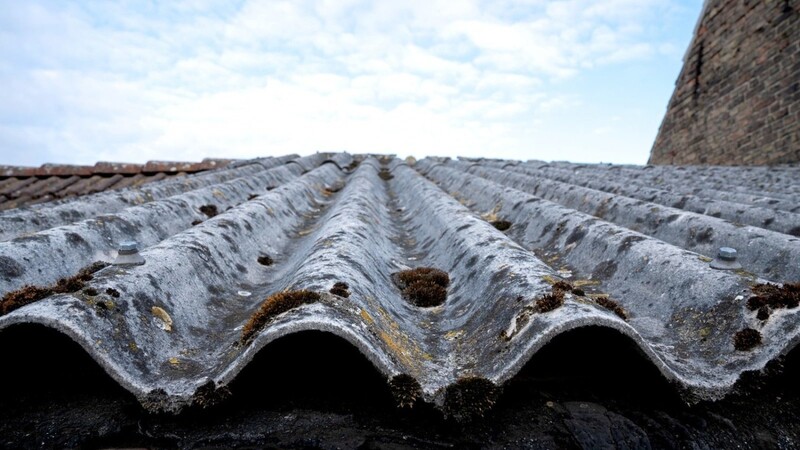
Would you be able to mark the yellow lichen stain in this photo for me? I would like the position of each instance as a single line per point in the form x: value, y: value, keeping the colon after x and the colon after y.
x: 404, y: 349
x: 217, y: 193
x: 134, y: 348
x: 454, y: 334
x: 704, y: 258
x: 174, y: 361
x: 491, y: 216
x: 582, y: 283
x: 305, y: 232
x: 163, y: 317
x: 398, y: 350
x: 704, y: 332
x: 367, y: 318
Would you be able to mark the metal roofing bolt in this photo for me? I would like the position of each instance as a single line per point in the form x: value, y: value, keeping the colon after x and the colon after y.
x: 726, y: 259
x: 727, y: 254
x: 128, y: 254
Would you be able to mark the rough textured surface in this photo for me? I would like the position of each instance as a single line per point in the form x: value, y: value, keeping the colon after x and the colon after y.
x: 170, y: 331
x: 737, y: 99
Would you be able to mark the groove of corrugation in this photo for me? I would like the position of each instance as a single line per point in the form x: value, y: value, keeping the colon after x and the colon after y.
x: 331, y: 218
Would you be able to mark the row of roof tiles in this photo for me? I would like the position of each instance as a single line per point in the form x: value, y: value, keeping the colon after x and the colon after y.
x: 23, y: 186
x: 111, y: 168
x: 530, y: 250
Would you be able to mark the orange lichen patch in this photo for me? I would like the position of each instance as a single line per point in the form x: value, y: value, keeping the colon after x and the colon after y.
x: 29, y: 294
x: 209, y: 210
x: 613, y: 306
x: 424, y: 286
x: 746, y: 339
x: 771, y: 296
x: 341, y: 289
x: 274, y: 305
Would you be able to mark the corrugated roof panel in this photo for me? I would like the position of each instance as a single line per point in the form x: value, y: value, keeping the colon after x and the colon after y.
x: 529, y: 252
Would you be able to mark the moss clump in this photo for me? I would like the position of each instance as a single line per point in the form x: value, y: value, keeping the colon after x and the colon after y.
x: 771, y: 296
x: 209, y: 394
x: 424, y: 286
x: 501, y: 225
x: 549, y: 302
x: 746, y: 339
x: 265, y: 260
x: 274, y: 305
x: 29, y: 294
x: 209, y: 210
x: 470, y: 398
x: 385, y: 175
x: 341, y: 289
x: 612, y: 306
x: 405, y: 390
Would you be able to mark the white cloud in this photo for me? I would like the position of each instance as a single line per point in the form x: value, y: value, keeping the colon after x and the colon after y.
x: 185, y: 80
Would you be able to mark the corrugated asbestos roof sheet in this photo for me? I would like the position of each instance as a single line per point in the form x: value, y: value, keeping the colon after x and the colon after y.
x: 531, y: 250
x: 23, y: 186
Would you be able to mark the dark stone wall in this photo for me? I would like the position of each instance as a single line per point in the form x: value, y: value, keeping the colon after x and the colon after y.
x: 737, y: 99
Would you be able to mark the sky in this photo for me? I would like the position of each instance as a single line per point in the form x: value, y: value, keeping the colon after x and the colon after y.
x: 575, y: 80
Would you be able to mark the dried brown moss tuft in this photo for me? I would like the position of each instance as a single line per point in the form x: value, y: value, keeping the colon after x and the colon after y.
x: 549, y: 302
x: 562, y: 285
x: 209, y: 210
x: 470, y: 398
x: 612, y: 306
x: 423, y: 286
x: 341, y: 289
x: 501, y: 225
x: 274, y: 305
x: 405, y: 390
x: 209, y: 394
x: 385, y: 175
x: 746, y: 339
x: 29, y: 294
x: 425, y: 294
x: 771, y: 296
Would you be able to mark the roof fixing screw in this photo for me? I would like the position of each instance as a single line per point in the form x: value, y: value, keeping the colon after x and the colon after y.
x: 727, y: 254
x: 128, y: 254
x: 726, y: 259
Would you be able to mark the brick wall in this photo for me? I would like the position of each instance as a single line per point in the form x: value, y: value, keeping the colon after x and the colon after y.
x: 737, y: 99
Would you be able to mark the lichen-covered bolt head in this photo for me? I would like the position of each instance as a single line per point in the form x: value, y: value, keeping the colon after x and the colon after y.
x: 727, y: 254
